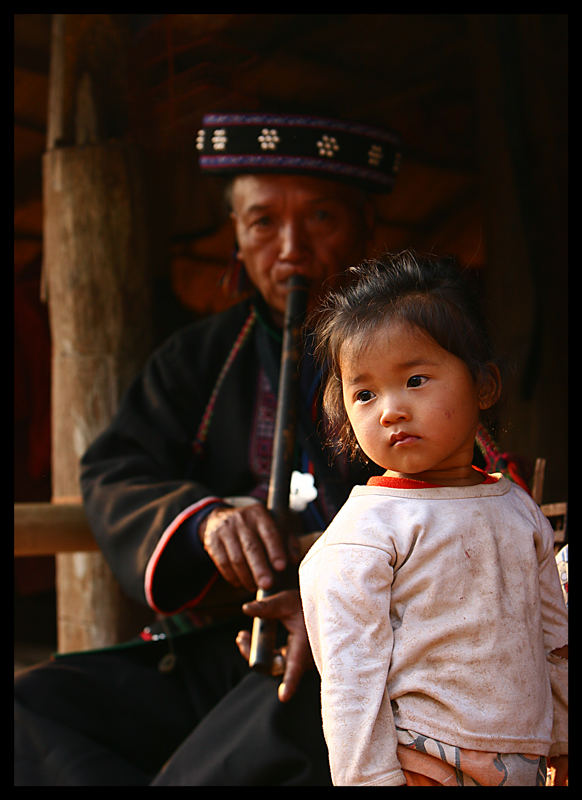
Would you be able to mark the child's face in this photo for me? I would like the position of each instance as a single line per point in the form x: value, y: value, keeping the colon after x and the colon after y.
x: 413, y: 406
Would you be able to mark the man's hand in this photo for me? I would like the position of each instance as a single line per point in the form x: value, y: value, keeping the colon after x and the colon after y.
x: 246, y: 546
x: 286, y: 607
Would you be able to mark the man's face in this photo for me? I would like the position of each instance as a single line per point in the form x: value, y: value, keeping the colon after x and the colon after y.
x: 287, y: 224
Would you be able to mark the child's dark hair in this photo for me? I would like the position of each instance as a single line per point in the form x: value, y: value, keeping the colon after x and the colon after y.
x: 431, y: 293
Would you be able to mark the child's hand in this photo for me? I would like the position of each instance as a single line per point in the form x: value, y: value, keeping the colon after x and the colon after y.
x: 560, y: 765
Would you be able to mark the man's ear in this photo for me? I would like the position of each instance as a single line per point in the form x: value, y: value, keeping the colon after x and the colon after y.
x: 489, y: 386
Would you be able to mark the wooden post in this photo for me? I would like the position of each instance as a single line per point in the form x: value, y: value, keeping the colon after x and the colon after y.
x: 99, y: 291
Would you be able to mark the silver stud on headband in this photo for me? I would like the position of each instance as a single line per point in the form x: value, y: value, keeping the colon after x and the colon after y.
x: 268, y: 139
x: 327, y: 146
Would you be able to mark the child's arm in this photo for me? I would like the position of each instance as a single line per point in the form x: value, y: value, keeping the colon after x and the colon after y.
x: 346, y: 601
x: 555, y: 631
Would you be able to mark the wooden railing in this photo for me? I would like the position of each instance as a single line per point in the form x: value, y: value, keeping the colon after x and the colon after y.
x: 42, y: 529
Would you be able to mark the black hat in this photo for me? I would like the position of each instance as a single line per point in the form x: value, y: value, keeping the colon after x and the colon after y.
x: 233, y: 144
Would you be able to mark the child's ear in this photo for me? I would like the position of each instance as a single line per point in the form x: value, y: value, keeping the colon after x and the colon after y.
x: 489, y: 386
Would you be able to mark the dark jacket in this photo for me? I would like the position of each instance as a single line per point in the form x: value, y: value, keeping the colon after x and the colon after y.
x: 148, y: 480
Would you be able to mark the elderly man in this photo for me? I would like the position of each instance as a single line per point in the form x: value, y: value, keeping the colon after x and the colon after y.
x: 180, y: 706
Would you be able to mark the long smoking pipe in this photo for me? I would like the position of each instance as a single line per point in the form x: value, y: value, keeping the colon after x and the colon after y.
x: 264, y: 632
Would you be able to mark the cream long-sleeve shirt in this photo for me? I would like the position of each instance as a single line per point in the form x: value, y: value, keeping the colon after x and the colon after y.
x: 436, y: 610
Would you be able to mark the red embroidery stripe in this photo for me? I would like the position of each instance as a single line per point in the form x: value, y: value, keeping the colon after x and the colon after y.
x: 160, y: 547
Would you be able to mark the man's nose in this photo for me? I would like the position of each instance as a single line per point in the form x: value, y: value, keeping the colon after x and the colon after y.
x: 294, y: 242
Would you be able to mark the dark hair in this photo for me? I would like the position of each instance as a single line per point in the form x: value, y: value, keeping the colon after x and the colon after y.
x: 431, y: 293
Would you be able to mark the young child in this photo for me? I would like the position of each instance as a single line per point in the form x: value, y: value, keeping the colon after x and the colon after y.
x: 432, y: 602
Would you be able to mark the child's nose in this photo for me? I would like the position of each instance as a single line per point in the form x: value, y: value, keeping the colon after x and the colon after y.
x: 392, y: 412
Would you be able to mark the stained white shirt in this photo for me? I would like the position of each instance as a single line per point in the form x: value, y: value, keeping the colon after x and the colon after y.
x: 436, y: 609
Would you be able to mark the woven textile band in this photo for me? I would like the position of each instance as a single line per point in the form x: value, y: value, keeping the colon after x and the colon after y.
x: 198, y: 442
x: 231, y: 144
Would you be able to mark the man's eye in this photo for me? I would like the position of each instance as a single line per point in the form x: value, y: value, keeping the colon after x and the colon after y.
x: 364, y: 396
x: 261, y: 222
x: 322, y: 215
x: 416, y: 380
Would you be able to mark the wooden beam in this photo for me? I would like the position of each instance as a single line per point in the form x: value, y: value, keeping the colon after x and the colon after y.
x: 555, y: 509
x: 42, y: 529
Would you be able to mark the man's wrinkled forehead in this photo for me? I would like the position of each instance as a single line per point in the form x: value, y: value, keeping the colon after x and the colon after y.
x: 249, y: 193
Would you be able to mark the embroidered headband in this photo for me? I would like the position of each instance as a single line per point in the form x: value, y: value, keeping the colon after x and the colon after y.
x: 231, y: 144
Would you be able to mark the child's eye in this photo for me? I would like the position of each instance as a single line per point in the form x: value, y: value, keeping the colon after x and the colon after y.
x: 364, y: 396
x: 416, y: 380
